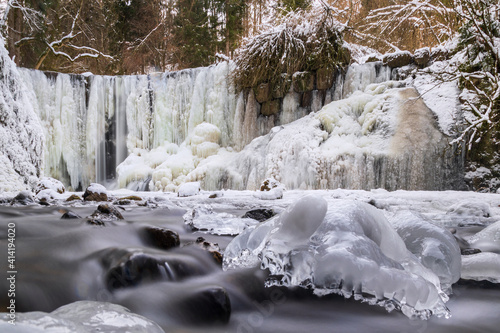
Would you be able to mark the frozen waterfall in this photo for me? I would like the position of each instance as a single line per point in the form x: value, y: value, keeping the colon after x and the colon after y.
x: 158, y: 131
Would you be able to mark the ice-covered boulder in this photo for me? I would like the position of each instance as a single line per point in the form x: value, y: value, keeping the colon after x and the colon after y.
x: 481, y: 266
x: 81, y: 317
x: 189, y: 189
x: 488, y: 239
x: 435, y: 247
x: 345, y: 247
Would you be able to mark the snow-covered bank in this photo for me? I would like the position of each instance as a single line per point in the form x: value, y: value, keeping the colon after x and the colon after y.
x: 21, y: 136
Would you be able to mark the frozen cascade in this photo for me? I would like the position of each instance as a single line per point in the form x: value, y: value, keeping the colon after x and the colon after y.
x: 161, y: 130
x: 384, y: 137
x: 345, y: 247
x: 21, y: 136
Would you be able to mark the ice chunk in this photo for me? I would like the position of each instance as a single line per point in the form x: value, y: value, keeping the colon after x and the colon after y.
x: 481, y: 266
x: 435, y: 247
x: 189, y: 189
x: 488, y: 239
x: 205, y: 219
x: 346, y: 247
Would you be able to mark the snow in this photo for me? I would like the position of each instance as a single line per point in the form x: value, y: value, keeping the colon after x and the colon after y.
x: 21, y: 135
x: 441, y: 97
x: 97, y: 188
x: 50, y: 183
x: 189, y: 189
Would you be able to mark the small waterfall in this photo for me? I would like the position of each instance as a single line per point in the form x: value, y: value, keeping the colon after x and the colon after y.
x: 122, y: 131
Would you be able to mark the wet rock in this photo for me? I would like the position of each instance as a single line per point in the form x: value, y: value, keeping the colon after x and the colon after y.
x: 422, y: 56
x: 212, y: 196
x: 23, y: 198
x: 398, y: 59
x: 95, y: 192
x: 306, y: 99
x: 213, y: 248
x: 70, y: 215
x: 131, y: 269
x: 324, y: 78
x: 162, y: 238
x: 131, y: 198
x: 303, y: 81
x: 262, y: 92
x: 74, y: 197
x: 468, y: 252
x: 260, y: 215
x: 211, y: 306
x: 104, y: 213
x: 282, y: 86
x: 47, y: 183
x: 270, y: 107
x: 43, y: 202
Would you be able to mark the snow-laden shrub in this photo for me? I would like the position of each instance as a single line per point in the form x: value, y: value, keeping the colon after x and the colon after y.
x: 299, y: 41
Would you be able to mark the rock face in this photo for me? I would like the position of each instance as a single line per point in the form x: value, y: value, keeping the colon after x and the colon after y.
x: 95, y: 192
x: 303, y: 81
x: 324, y: 78
x: 422, y: 56
x: 398, y: 59
x: 262, y: 92
x: 271, y: 107
x: 282, y: 86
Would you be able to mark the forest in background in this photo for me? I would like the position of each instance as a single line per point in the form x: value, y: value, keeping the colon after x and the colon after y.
x: 139, y: 36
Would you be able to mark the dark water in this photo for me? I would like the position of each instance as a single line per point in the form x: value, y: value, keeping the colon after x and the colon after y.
x: 183, y: 288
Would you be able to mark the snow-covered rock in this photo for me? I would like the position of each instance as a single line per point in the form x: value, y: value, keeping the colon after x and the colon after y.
x: 95, y: 192
x: 48, y: 183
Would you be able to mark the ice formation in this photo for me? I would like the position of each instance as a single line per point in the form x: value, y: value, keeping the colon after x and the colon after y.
x: 345, y: 247
x: 435, y: 247
x: 158, y: 131
x: 21, y: 136
x: 481, y: 266
x: 488, y: 239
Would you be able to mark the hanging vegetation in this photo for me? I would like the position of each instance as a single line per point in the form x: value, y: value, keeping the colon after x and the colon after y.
x: 302, y: 40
